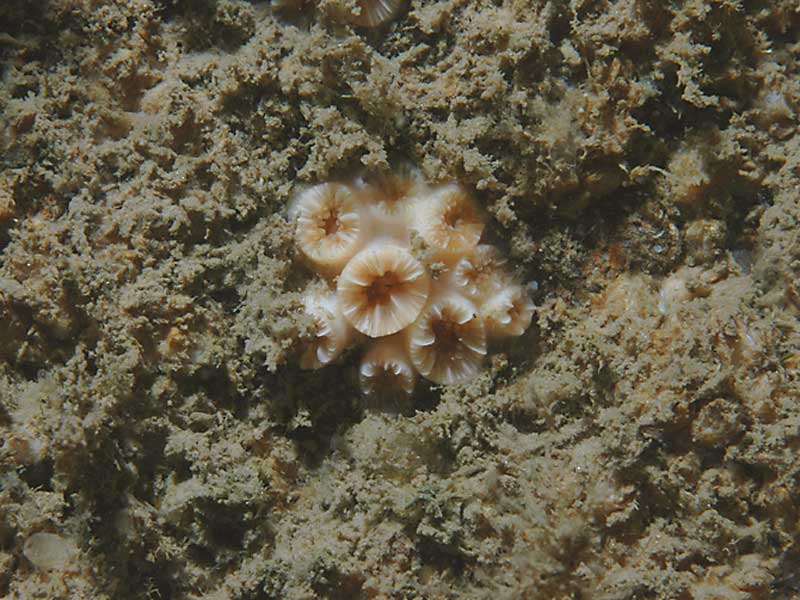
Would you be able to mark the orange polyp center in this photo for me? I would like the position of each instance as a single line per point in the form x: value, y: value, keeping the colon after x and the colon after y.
x: 397, y: 190
x: 380, y: 290
x: 474, y: 274
x: 453, y: 218
x: 446, y: 335
x: 330, y: 222
x: 394, y: 202
x: 386, y: 378
x: 516, y: 309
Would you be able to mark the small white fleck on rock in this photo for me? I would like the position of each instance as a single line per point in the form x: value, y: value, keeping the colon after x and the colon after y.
x: 49, y: 551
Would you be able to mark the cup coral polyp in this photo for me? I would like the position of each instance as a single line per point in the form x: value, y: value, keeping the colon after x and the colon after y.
x: 448, y: 342
x: 382, y: 289
x: 406, y: 272
x: 386, y: 368
x: 329, y: 225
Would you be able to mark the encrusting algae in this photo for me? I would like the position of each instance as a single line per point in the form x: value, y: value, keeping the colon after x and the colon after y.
x: 428, y: 314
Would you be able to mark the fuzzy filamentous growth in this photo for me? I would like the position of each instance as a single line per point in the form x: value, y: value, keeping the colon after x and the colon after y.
x: 403, y: 269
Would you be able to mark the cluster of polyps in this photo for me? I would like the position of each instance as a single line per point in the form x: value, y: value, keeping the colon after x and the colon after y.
x: 405, y: 271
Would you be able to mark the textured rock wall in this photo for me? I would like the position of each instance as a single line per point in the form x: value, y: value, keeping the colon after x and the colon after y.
x: 641, y: 162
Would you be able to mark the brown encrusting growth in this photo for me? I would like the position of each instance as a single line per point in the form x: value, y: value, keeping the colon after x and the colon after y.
x: 636, y: 161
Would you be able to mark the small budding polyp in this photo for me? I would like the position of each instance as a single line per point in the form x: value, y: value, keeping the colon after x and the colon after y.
x: 403, y: 270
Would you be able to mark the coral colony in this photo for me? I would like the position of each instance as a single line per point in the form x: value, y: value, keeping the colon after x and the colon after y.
x: 403, y: 270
